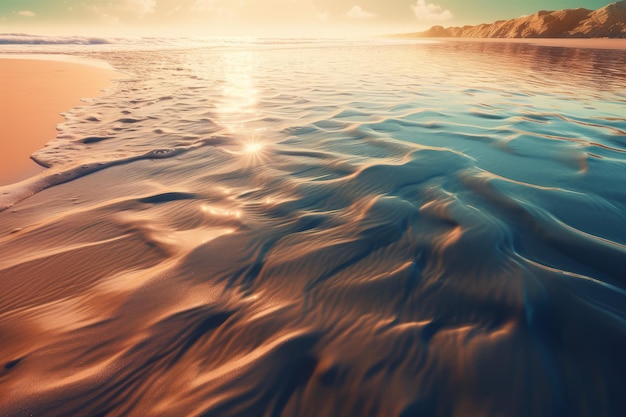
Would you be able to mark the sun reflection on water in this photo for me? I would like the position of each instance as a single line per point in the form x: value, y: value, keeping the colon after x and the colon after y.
x: 221, y: 212
x: 253, y: 152
x: 239, y: 93
x: 253, y: 148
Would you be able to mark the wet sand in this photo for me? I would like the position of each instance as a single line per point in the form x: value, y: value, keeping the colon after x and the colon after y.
x: 35, y: 91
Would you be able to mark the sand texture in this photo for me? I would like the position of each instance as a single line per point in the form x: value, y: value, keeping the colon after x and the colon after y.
x: 35, y: 93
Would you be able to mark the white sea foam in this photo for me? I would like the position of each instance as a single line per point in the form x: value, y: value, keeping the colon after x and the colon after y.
x: 26, y: 39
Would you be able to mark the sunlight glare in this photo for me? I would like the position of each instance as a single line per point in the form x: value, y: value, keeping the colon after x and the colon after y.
x: 253, y: 148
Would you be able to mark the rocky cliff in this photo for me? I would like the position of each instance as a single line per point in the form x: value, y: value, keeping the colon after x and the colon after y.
x: 606, y: 22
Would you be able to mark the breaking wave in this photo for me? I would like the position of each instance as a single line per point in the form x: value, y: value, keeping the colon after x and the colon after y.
x: 26, y: 39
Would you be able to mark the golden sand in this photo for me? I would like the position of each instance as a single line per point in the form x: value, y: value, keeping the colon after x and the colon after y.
x: 35, y: 91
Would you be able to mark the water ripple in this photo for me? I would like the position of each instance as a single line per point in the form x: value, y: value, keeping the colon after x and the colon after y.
x: 347, y: 229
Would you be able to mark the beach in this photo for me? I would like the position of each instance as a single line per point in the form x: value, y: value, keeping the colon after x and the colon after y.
x: 36, y: 89
x: 317, y: 228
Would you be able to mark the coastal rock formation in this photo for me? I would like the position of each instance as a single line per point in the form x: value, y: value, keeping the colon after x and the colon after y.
x: 606, y: 22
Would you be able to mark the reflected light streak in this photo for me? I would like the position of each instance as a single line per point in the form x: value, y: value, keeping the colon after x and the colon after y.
x: 239, y: 94
x: 216, y: 211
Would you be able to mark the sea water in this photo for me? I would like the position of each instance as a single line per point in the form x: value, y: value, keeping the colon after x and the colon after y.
x: 323, y: 228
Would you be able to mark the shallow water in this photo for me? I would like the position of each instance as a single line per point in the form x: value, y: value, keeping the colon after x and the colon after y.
x: 325, y: 229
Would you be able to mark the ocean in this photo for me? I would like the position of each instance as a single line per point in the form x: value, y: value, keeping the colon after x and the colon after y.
x: 314, y: 227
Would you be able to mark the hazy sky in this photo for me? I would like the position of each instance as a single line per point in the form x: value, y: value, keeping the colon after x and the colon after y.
x: 260, y: 17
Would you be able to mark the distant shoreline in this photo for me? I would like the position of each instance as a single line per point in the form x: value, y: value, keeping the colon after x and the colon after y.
x: 606, y: 22
x: 591, y: 43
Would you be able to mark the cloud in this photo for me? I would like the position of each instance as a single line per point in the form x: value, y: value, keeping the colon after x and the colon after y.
x: 26, y: 13
x: 430, y: 12
x: 357, y: 13
x: 139, y: 8
x: 108, y: 19
x: 174, y: 11
x: 203, y: 5
x: 122, y: 10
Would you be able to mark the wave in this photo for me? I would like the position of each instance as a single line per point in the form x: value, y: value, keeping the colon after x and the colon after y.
x: 26, y: 39
x: 160, y: 42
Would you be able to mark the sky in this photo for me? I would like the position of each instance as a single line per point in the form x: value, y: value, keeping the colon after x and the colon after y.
x: 260, y: 17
